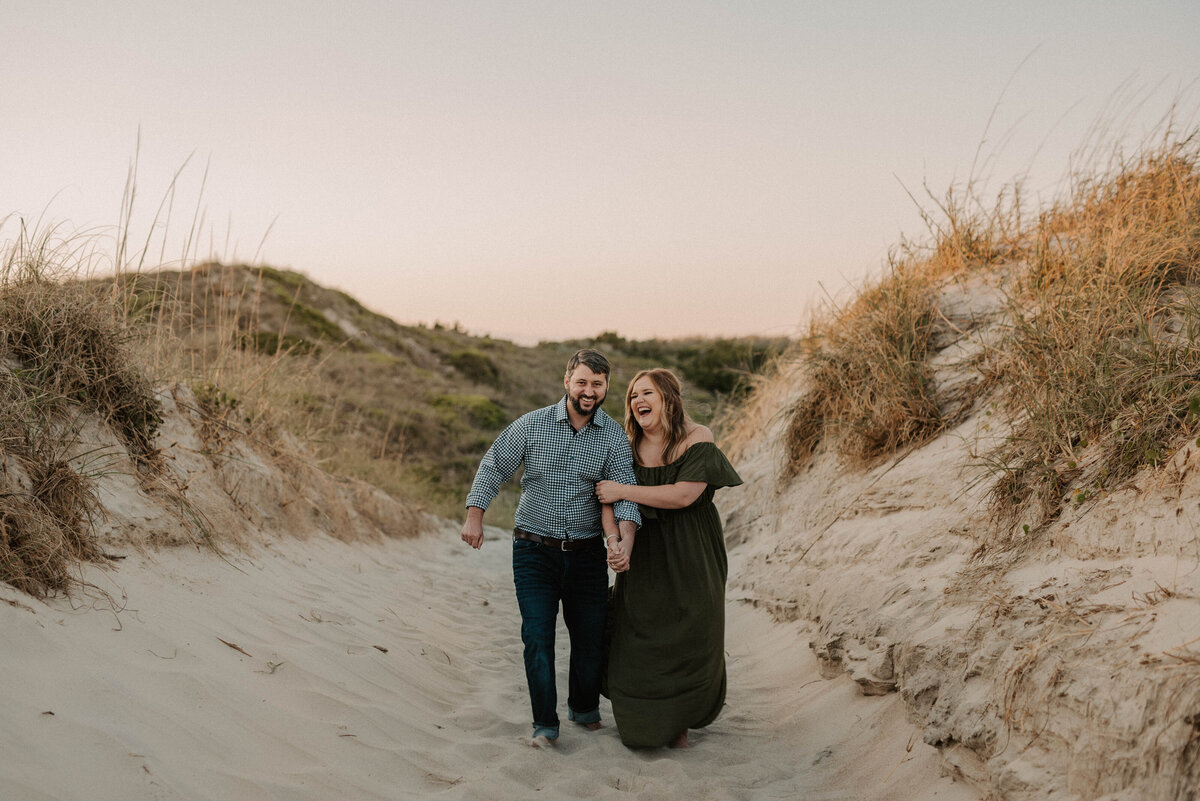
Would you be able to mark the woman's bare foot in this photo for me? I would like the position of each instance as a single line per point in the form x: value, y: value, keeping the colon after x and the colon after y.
x: 592, y: 726
x: 681, y: 740
x: 541, y: 741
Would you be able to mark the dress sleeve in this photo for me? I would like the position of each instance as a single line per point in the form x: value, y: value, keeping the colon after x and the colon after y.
x: 705, y: 462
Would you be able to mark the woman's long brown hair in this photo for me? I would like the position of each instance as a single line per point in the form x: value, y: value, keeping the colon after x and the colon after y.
x: 674, y: 420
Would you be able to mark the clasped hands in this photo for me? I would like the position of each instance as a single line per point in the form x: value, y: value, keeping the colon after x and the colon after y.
x: 618, y: 552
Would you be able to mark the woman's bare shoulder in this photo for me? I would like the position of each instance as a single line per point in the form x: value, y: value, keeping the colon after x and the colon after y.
x: 696, y: 435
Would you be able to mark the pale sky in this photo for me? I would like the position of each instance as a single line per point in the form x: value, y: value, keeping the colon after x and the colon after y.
x: 554, y: 169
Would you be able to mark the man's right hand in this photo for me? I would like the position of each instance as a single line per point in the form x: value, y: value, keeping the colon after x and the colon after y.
x: 472, y: 530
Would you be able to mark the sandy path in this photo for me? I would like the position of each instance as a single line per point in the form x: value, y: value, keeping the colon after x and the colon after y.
x: 148, y: 702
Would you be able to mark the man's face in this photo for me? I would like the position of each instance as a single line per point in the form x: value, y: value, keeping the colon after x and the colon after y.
x: 586, y: 390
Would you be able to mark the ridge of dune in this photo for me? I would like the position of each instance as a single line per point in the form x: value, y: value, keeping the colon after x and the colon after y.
x: 1069, y: 669
x: 324, y: 650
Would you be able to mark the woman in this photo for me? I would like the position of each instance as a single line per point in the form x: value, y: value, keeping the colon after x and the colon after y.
x: 666, y: 665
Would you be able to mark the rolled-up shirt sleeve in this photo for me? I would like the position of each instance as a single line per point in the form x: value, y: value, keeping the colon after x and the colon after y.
x: 499, y: 464
x: 619, y: 468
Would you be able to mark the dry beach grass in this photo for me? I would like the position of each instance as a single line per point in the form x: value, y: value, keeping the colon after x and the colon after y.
x: 1099, y: 350
x: 66, y: 354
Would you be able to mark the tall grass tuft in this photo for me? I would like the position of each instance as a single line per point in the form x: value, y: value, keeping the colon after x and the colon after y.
x: 872, y: 390
x: 74, y: 346
x: 1100, y: 369
x: 871, y: 386
x: 65, y: 354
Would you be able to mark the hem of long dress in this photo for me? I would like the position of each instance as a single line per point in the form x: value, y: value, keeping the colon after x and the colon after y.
x: 662, y: 734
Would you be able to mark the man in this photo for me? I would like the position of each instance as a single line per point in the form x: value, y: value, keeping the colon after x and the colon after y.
x: 558, y: 552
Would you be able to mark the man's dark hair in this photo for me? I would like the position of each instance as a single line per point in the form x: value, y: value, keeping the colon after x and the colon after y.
x: 592, y: 359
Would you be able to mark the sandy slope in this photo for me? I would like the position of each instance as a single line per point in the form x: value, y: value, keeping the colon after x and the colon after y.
x: 388, y: 671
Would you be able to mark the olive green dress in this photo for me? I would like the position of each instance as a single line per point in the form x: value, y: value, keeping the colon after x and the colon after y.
x: 666, y: 655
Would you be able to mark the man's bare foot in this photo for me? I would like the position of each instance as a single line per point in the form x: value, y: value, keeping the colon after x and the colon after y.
x: 681, y: 740
x: 541, y: 741
x: 592, y: 726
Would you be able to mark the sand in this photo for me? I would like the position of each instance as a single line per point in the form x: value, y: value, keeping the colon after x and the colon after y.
x: 318, y: 669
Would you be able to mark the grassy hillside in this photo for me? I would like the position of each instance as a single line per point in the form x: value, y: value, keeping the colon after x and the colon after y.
x: 408, y: 408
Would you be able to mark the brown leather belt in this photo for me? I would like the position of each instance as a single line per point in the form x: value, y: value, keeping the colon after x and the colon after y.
x: 553, y: 542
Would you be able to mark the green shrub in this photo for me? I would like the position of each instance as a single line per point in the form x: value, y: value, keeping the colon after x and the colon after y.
x: 475, y: 365
x: 723, y: 366
x: 481, y: 411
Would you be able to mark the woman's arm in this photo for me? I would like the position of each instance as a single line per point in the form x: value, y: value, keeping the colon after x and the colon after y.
x: 663, y: 496
x: 679, y: 495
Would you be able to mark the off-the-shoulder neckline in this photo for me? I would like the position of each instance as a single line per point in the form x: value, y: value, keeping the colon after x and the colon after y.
x: 679, y: 458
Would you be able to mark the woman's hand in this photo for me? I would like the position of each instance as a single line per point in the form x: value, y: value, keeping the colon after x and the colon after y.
x: 609, y: 491
x: 618, y: 553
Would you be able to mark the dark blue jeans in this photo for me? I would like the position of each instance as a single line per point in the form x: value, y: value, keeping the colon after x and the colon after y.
x: 545, y: 577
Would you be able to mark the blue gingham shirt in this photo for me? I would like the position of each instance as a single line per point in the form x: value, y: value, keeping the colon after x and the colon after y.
x: 562, y: 466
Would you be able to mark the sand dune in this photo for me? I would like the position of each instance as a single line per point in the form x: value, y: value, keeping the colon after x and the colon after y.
x: 1064, y: 666
x: 318, y: 669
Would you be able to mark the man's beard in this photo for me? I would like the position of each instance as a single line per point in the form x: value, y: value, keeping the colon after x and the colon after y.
x: 578, y: 407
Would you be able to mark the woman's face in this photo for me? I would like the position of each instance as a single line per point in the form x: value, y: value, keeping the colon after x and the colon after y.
x: 645, y: 403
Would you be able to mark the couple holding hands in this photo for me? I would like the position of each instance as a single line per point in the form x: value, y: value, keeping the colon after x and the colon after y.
x: 638, y: 501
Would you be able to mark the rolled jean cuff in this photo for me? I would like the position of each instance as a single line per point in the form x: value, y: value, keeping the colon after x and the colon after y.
x: 549, y: 732
x: 584, y: 717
